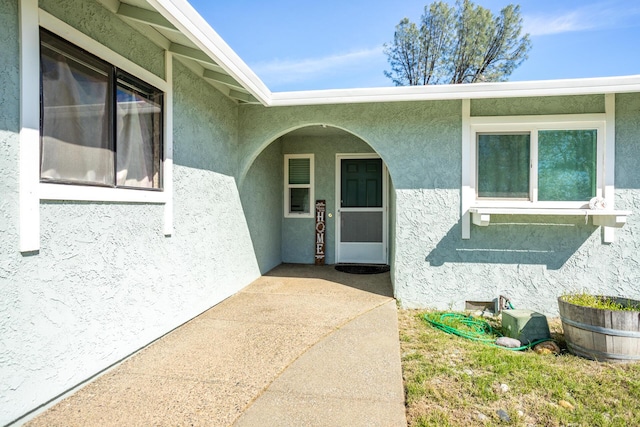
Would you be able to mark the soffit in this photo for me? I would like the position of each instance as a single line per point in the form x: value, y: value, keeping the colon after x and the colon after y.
x: 146, y: 19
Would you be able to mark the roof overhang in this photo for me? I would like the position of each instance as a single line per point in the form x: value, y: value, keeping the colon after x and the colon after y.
x: 591, y: 86
x: 221, y: 65
x: 189, y: 22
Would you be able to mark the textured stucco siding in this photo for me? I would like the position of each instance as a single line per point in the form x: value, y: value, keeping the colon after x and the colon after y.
x: 9, y: 128
x: 624, y: 269
x: 392, y: 228
x: 10, y: 261
x: 413, y: 138
x: 263, y: 202
x: 536, y: 106
x: 530, y: 259
x: 106, y: 281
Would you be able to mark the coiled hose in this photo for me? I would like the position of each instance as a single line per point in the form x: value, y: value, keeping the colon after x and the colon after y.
x: 469, y: 327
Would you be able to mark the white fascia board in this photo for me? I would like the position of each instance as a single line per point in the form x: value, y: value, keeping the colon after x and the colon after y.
x: 591, y: 86
x: 189, y: 22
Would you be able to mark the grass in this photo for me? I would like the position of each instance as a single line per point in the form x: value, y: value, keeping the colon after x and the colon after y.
x: 597, y: 301
x: 452, y: 381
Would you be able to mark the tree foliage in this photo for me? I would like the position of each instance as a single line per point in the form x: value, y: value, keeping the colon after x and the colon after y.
x: 464, y: 43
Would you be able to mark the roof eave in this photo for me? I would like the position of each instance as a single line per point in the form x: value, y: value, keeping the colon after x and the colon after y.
x: 189, y: 22
x: 590, y: 86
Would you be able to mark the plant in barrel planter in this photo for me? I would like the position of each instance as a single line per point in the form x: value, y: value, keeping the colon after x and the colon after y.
x: 602, y: 328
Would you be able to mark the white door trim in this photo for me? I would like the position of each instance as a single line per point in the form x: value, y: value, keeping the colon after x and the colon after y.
x: 384, y: 259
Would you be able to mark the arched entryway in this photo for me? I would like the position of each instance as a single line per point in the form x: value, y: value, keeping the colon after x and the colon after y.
x: 319, y: 162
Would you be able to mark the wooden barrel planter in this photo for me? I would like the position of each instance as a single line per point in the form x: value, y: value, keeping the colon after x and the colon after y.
x: 602, y: 335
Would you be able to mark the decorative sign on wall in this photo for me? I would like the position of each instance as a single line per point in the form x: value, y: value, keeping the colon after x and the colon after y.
x: 321, y: 208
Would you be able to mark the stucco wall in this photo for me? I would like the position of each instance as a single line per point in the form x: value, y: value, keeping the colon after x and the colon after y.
x: 530, y: 259
x: 392, y: 229
x: 262, y: 199
x: 581, y: 104
x: 106, y: 280
x: 9, y: 128
x: 11, y: 293
x: 624, y: 268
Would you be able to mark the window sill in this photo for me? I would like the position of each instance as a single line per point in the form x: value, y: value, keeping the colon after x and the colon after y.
x: 82, y: 193
x: 306, y: 215
x: 604, y: 217
x: 608, y: 218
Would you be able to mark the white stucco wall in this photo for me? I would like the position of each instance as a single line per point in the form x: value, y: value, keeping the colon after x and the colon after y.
x: 106, y: 281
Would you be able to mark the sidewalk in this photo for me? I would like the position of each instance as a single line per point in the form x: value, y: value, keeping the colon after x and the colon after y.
x: 301, y: 346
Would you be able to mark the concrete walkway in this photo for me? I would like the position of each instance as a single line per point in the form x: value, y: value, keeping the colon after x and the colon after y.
x: 301, y: 346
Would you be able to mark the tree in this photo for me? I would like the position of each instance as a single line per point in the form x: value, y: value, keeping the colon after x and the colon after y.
x: 461, y: 44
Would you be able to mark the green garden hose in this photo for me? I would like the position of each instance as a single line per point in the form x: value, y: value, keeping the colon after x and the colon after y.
x: 468, y: 327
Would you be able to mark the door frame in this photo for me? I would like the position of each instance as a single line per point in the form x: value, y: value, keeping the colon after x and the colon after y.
x: 385, y: 202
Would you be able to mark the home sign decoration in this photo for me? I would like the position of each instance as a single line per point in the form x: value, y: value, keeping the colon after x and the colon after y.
x: 321, y: 208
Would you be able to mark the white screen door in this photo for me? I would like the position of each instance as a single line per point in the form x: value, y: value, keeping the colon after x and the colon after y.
x: 362, y: 214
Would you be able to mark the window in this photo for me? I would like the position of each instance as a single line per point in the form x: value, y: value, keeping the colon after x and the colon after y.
x: 538, y: 164
x: 545, y: 165
x: 98, y: 124
x: 503, y: 165
x: 566, y: 165
x: 298, y: 185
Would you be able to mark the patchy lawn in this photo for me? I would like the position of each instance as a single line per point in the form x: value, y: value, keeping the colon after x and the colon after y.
x: 451, y: 381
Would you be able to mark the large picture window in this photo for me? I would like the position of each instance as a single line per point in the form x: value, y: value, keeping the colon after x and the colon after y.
x: 538, y: 165
x: 99, y: 125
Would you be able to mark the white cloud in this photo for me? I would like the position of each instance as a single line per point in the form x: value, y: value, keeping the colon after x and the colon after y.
x: 607, y: 14
x: 544, y: 25
x: 278, y: 71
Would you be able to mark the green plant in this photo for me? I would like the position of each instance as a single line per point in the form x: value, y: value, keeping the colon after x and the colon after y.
x: 601, y: 302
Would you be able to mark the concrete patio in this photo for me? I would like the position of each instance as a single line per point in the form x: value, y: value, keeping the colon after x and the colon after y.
x: 301, y: 346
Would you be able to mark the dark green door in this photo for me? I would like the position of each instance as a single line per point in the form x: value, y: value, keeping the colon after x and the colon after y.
x: 361, y: 183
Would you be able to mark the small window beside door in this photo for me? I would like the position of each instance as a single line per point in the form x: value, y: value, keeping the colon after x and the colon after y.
x: 298, y: 185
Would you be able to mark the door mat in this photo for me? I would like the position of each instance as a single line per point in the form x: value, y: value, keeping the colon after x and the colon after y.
x: 362, y: 268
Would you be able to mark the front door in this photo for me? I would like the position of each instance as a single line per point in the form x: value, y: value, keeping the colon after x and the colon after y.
x: 362, y: 215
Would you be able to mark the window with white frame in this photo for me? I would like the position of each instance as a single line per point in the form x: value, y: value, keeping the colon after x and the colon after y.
x: 298, y: 185
x: 547, y: 163
x: 99, y: 125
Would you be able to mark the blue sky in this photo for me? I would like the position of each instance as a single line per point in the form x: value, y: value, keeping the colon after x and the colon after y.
x: 332, y: 44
